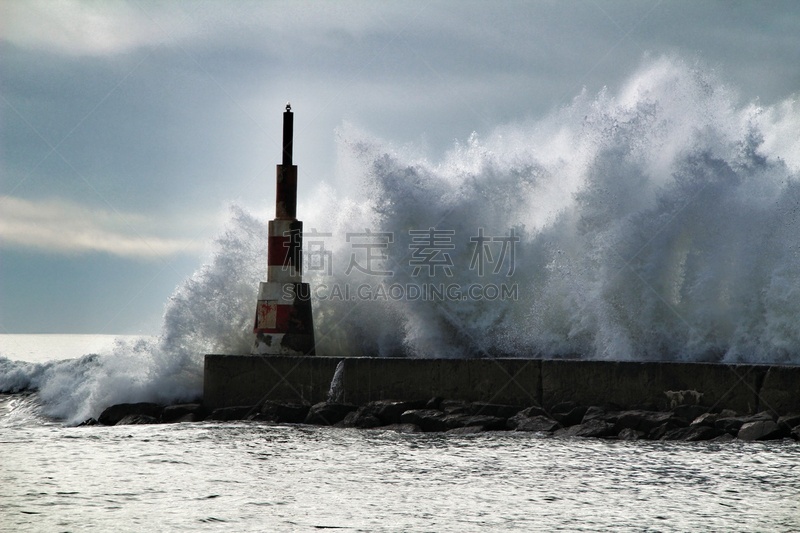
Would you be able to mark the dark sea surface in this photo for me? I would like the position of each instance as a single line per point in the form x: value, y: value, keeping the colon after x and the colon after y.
x: 253, y: 476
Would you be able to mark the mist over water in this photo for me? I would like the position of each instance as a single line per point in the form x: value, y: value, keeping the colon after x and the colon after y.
x: 661, y: 222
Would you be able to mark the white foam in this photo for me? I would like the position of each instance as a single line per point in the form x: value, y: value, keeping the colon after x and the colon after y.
x: 658, y: 223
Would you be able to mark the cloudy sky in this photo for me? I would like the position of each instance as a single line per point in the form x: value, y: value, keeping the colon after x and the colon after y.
x: 127, y: 128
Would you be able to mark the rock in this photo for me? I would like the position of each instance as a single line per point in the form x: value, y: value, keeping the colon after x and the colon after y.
x: 706, y: 433
x: 706, y: 419
x: 466, y: 430
x: 725, y: 437
x: 426, y: 419
x: 227, y: 414
x: 630, y: 434
x: 493, y: 409
x: 454, y: 407
x: 402, y: 428
x: 646, y: 421
x: 173, y: 413
x: 487, y: 423
x: 795, y: 433
x: 729, y: 424
x: 568, y: 417
x: 591, y: 428
x: 761, y: 415
x: 434, y: 402
x: 389, y: 411
x: 601, y: 413
x: 328, y: 413
x: 760, y: 430
x: 117, y: 412
x: 283, y: 413
x: 137, y: 419
x: 670, y: 425
x: 787, y: 422
x: 693, y: 433
x: 360, y: 418
x: 88, y: 422
x: 533, y: 423
x: 728, y: 413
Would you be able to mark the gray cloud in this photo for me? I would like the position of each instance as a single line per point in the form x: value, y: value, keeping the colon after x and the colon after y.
x: 55, y: 227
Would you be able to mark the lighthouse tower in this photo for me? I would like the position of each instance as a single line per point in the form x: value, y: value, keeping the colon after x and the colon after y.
x: 283, y: 323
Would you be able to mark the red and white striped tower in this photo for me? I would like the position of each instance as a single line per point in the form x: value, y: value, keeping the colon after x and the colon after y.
x: 283, y: 324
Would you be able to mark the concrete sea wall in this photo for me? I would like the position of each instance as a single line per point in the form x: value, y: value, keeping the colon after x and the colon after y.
x: 235, y: 380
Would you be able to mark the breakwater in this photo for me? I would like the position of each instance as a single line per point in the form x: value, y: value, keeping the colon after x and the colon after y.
x: 237, y: 380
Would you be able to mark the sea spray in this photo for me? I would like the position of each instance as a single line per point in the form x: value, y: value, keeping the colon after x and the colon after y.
x: 656, y: 223
x: 336, y: 390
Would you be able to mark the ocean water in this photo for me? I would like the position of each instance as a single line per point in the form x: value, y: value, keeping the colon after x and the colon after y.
x: 258, y: 477
x: 657, y: 222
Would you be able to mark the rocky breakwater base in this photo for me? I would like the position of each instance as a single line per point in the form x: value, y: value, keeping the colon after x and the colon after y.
x: 565, y: 398
x: 682, y: 423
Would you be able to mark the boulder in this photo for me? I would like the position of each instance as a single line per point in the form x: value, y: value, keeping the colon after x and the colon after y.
x: 630, y: 434
x: 360, y: 418
x: 485, y: 422
x: 693, y: 433
x: 706, y: 419
x: 173, y: 413
x: 389, y: 411
x: 591, y: 428
x: 646, y: 421
x: 88, y: 422
x: 115, y: 413
x: 795, y: 433
x: 426, y: 419
x: 434, y: 402
x: 227, y: 414
x: 283, y: 413
x: 762, y: 415
x: 137, y: 419
x: 568, y: 415
x: 328, y: 413
x: 730, y: 424
x: 787, y: 422
x: 454, y: 407
x: 670, y: 425
x: 532, y: 423
x: 605, y: 414
x: 760, y: 430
